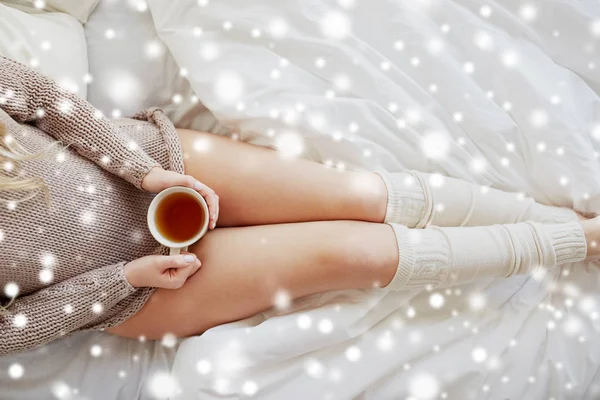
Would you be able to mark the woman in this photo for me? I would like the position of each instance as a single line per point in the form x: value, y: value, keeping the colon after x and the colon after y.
x: 84, y: 260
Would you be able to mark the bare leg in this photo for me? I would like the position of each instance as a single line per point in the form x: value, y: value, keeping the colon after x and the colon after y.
x: 244, y: 268
x: 257, y: 186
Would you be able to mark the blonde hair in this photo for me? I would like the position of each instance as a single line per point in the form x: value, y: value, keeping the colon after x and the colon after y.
x: 12, y: 155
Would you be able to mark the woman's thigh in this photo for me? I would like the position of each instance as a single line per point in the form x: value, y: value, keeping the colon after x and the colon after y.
x: 245, y: 270
x: 258, y: 186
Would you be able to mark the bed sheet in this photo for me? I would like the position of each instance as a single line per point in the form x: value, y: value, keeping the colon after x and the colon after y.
x: 502, y: 93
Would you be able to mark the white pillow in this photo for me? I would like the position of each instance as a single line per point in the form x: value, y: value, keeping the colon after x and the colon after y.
x: 132, y: 69
x: 80, y: 9
x: 130, y: 66
x: 53, y: 43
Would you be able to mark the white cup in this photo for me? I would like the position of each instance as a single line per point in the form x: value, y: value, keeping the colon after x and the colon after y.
x: 176, y: 247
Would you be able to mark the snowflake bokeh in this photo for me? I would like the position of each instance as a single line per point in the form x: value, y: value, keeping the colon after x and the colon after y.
x: 417, y: 102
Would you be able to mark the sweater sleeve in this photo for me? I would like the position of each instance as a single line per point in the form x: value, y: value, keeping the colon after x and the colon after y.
x: 60, y: 309
x: 28, y: 96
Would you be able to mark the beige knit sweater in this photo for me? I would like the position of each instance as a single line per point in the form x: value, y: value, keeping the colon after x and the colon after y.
x: 67, y: 259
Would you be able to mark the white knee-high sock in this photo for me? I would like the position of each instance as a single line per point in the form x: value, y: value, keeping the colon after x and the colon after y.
x: 418, y: 199
x: 447, y: 256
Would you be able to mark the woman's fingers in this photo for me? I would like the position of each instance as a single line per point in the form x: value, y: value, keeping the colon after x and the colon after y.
x: 211, y: 199
x: 176, y: 269
x: 168, y: 272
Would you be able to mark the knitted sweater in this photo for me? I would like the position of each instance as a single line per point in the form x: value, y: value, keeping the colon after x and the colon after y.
x: 66, y: 258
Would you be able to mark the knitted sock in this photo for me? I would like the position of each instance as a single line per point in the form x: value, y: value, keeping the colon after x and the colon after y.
x: 449, y: 256
x: 418, y: 199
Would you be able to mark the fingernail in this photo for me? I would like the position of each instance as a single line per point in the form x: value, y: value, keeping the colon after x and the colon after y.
x: 198, y: 263
x: 214, y: 224
x: 189, y: 258
x: 197, y: 185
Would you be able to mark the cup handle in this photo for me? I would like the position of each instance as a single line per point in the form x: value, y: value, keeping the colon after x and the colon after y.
x: 173, y: 251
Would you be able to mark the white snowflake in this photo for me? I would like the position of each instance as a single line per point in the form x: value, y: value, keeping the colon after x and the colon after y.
x: 278, y: 28
x: 221, y: 385
x: 595, y: 28
x: 435, y: 145
x: 325, y: 326
x: 335, y: 25
x: 572, y: 326
x: 96, y: 350
x: 16, y: 371
x: 541, y: 147
x: 97, y: 308
x: 479, y: 355
x: 20, y: 320
x: 538, y: 118
x: 485, y: 11
x: 342, y: 82
x: 62, y: 391
x: 304, y: 321
x: 169, y: 340
x: 435, y: 45
x: 436, y: 300
x: 353, y: 353
x: 203, y: 367
x: 289, y: 144
x: 229, y: 87
x: 163, y: 385
x: 46, y: 276
x: 385, y: 341
x: 65, y: 106
x: 596, y: 131
x: 154, y: 49
x: 483, y: 40
x: 510, y: 58
x: 110, y: 34
x: 249, y: 388
x: 478, y: 165
x: 11, y: 289
x: 88, y: 217
x: 88, y: 78
x: 424, y: 386
x: 528, y: 12
x: 314, y: 368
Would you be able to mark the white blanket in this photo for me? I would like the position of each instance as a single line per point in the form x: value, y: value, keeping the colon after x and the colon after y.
x: 500, y: 93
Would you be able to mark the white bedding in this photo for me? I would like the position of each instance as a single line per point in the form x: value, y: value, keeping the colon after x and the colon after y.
x: 500, y: 93
x: 523, y: 338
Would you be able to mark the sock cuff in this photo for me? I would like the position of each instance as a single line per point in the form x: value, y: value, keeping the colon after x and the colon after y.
x: 406, y: 258
x: 406, y: 199
x: 567, y: 239
x: 549, y: 214
x: 424, y: 258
